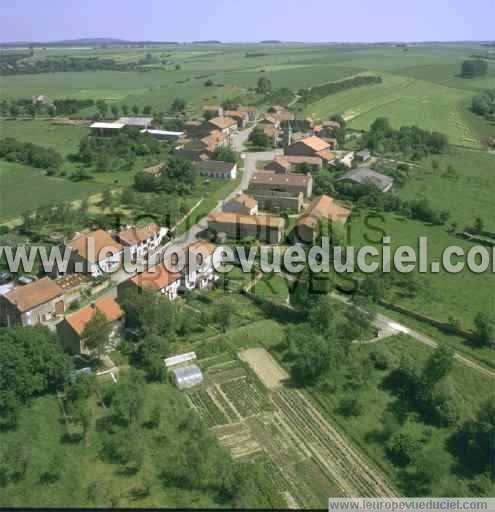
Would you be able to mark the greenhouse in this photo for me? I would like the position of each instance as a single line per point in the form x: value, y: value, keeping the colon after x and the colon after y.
x: 187, y: 376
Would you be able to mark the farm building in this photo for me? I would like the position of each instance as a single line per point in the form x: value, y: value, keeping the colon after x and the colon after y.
x: 216, y: 169
x: 242, y: 203
x: 102, y: 128
x: 163, y: 134
x: 187, y: 376
x: 179, y: 359
x: 364, y: 176
x: 265, y: 228
x: 135, y: 122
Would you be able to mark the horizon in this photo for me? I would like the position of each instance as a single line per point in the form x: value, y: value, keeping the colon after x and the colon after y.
x: 316, y: 23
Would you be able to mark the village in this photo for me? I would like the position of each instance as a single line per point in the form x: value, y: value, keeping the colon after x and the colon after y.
x: 145, y: 386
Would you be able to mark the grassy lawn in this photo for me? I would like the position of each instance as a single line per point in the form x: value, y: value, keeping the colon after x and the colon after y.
x: 469, y: 387
x: 63, y: 138
x: 24, y: 188
x: 470, y: 192
x: 440, y: 295
x: 41, y: 428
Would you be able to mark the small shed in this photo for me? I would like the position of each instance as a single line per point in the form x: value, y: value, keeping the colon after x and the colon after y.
x: 187, y: 376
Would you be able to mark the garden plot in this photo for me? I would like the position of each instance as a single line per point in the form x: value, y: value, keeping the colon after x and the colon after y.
x: 266, y: 368
x: 246, y: 398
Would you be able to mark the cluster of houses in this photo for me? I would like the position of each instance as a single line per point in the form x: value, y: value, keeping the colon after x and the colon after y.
x: 45, y: 301
x: 284, y: 186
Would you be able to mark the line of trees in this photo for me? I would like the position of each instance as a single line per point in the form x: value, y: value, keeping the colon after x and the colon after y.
x: 407, y: 140
x: 320, y: 91
x: 473, y: 68
x: 28, y: 153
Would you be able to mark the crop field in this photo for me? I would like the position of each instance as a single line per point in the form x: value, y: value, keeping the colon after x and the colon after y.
x: 282, y: 428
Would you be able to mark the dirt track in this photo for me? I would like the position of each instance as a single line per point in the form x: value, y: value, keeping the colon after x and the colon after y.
x: 266, y: 368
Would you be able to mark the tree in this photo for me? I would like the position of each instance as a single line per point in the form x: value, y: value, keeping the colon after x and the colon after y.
x: 178, y: 106
x: 479, y: 224
x: 484, y: 327
x: 102, y: 107
x: 438, y: 365
x: 107, y: 198
x: 403, y: 446
x: 258, y: 138
x: 125, y: 110
x: 225, y: 154
x: 33, y: 363
x: 472, y: 68
x: 14, y: 110
x: 264, y: 85
x: 147, y: 110
x: 350, y: 406
x: 128, y: 399
x: 115, y: 110
x: 97, y: 332
x: 135, y: 110
x: 151, y: 353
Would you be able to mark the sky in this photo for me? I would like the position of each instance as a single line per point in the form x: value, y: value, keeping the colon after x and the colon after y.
x: 248, y: 20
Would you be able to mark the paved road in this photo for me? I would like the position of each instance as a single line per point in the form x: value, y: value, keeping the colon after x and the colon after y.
x: 388, y: 326
x: 191, y: 235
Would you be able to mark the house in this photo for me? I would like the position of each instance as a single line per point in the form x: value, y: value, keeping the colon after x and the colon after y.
x: 240, y: 117
x: 155, y: 170
x: 204, y: 274
x: 226, y: 125
x: 363, y: 156
x: 347, y: 159
x: 42, y: 100
x: 268, y: 180
x: 307, y: 163
x: 273, y: 133
x: 279, y: 165
x: 195, y: 150
x: 93, y: 253
x: 70, y: 331
x: 242, y: 203
x: 265, y: 228
x: 311, y: 146
x: 364, y: 176
x: 163, y: 134
x: 213, y: 110
x: 136, y: 122
x: 140, y: 240
x: 32, y: 304
x: 250, y: 111
x: 195, y: 129
x: 270, y: 120
x: 158, y: 279
x: 214, y: 139
x: 102, y: 128
x: 321, y: 208
x: 216, y: 169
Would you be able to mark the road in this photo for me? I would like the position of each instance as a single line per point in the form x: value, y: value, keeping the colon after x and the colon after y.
x: 191, y: 235
x: 388, y: 327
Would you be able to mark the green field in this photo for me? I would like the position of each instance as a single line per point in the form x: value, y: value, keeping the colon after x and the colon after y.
x: 440, y: 295
x: 23, y: 188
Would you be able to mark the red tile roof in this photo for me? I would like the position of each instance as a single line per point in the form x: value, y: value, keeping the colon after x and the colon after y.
x: 106, y: 305
x: 29, y: 296
x: 158, y: 278
x: 136, y: 235
x: 100, y: 238
x: 323, y: 207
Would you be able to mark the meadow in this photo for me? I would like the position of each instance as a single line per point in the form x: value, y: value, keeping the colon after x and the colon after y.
x: 23, y: 188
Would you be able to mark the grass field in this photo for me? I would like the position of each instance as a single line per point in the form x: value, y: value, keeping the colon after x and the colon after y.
x: 23, y: 188
x: 469, y: 193
x: 63, y: 138
x: 440, y: 295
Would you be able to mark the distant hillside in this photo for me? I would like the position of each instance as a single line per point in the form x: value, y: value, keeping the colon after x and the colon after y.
x: 93, y: 41
x: 271, y: 41
x: 206, y: 42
